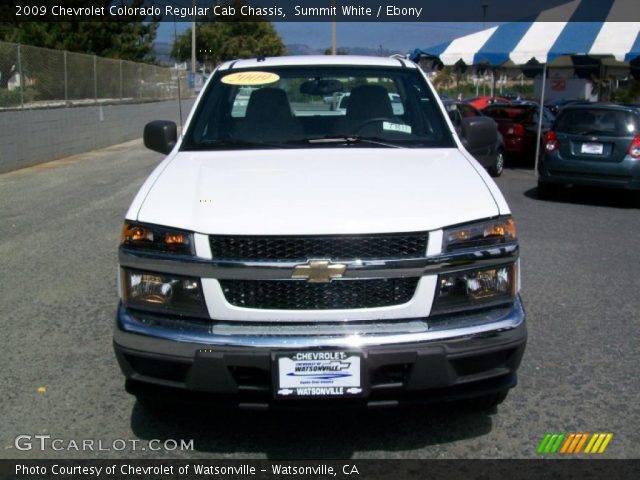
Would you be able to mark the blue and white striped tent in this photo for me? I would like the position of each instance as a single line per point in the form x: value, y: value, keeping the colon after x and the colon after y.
x: 545, y: 39
x: 548, y: 41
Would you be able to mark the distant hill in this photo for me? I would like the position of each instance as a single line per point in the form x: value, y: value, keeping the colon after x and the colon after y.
x: 373, y: 36
x: 163, y: 53
x: 302, y: 49
x: 307, y: 38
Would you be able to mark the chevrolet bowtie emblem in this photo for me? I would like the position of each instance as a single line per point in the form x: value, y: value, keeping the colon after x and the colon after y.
x: 319, y: 271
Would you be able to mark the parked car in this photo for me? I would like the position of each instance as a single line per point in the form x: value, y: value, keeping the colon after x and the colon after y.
x: 276, y: 258
x: 511, y: 96
x: 596, y: 144
x: 481, y: 103
x: 557, y: 104
x: 488, y: 145
x: 518, y: 125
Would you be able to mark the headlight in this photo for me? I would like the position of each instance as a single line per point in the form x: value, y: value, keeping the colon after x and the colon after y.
x: 488, y: 233
x: 164, y: 293
x: 156, y: 238
x: 475, y: 288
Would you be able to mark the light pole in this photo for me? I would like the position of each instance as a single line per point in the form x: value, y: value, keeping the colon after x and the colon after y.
x: 485, y: 6
x: 484, y: 13
x: 334, y: 49
x: 175, y: 41
x: 193, y: 40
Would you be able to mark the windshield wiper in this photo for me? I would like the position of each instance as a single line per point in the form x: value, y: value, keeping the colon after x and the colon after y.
x: 233, y: 143
x: 352, y: 140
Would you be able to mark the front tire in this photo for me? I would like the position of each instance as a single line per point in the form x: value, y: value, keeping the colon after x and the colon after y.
x: 496, y: 169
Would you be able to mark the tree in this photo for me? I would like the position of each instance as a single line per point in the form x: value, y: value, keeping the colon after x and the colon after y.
x: 339, y: 51
x: 443, y: 78
x: 129, y: 38
x: 459, y: 68
x: 217, y: 41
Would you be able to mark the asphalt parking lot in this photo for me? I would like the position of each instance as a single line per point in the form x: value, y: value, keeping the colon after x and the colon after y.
x: 59, y: 228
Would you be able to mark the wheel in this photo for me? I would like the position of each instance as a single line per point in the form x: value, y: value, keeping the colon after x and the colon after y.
x: 547, y: 190
x: 498, y: 166
x: 487, y: 402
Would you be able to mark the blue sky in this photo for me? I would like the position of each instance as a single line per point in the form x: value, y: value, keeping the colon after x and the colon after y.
x: 402, y: 37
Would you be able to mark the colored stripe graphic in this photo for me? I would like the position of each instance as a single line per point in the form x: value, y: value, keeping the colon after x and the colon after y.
x: 572, y: 443
x: 596, y: 446
x: 550, y: 443
x: 556, y: 444
x: 598, y: 443
x: 581, y: 443
x: 605, y: 443
x: 568, y: 442
x: 543, y: 443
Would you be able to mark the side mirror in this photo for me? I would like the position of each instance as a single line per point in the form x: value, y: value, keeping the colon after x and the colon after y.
x: 478, y: 131
x: 160, y: 136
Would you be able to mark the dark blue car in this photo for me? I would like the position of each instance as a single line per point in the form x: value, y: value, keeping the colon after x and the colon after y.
x: 596, y: 145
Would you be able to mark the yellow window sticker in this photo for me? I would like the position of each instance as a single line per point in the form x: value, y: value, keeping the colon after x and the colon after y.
x: 250, y: 78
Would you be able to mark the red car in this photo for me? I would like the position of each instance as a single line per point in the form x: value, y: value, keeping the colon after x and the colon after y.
x: 518, y: 124
x: 481, y: 103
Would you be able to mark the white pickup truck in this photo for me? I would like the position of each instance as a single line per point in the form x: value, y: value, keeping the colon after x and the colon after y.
x: 283, y: 254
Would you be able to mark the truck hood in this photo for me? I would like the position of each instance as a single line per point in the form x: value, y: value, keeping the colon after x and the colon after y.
x: 317, y: 191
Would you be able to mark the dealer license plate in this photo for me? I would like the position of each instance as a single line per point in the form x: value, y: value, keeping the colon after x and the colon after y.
x: 318, y: 374
x: 592, y: 148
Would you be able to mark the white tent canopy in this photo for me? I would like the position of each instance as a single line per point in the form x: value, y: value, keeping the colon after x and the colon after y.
x: 545, y: 38
x: 548, y: 41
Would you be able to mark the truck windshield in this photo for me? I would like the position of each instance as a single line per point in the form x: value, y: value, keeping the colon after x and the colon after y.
x: 317, y: 107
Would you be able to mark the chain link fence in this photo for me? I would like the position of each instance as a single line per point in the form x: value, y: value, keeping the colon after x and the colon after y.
x: 34, y: 77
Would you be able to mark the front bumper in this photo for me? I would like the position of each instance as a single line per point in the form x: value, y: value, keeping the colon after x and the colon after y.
x: 406, y: 361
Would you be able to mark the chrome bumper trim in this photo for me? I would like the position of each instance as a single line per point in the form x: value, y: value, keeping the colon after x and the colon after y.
x: 138, y: 332
x: 361, y: 269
